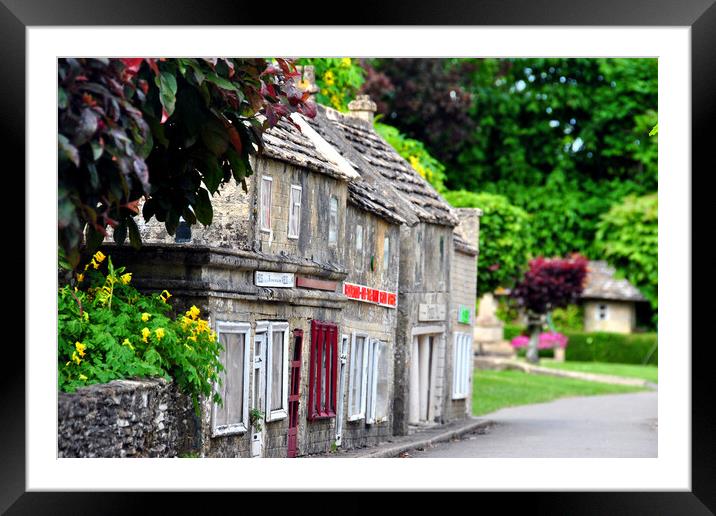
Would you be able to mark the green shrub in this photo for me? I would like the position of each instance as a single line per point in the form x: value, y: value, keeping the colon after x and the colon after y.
x: 505, y: 238
x: 512, y: 330
x: 108, y: 330
x: 568, y: 319
x: 636, y: 348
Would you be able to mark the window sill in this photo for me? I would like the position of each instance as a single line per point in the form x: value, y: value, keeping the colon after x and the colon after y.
x: 316, y: 417
x: 226, y: 430
x: 277, y: 415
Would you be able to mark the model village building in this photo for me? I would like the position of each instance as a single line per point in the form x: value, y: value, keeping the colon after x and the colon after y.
x: 341, y: 285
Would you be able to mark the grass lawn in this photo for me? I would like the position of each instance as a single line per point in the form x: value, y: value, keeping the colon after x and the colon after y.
x: 493, y: 390
x: 645, y: 372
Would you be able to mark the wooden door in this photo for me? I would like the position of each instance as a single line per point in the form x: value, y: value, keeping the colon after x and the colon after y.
x: 294, y: 393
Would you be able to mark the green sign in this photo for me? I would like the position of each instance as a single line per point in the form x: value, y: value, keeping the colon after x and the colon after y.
x: 463, y: 315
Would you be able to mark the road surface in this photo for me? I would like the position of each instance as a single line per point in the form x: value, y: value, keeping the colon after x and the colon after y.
x: 615, y: 425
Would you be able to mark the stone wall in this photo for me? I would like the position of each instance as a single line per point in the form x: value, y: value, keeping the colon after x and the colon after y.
x: 126, y: 418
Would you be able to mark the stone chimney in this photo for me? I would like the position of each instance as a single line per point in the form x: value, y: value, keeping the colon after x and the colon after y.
x: 362, y: 107
x: 308, y: 80
x: 469, y: 226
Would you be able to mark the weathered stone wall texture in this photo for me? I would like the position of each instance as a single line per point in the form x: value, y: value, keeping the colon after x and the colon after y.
x: 125, y: 418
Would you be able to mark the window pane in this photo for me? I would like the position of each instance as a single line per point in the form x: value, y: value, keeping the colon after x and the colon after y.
x: 381, y: 408
x: 359, y: 237
x: 265, y: 204
x: 333, y: 221
x: 386, y: 254
x: 356, y: 376
x: 294, y: 221
x: 277, y: 359
x: 232, y: 390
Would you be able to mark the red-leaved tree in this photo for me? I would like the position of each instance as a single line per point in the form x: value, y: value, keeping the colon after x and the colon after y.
x: 549, y: 283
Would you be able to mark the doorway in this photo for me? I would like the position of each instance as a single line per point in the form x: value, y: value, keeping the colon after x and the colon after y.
x: 294, y: 394
x: 423, y: 377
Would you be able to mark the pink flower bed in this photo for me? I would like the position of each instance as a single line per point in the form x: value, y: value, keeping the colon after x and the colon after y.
x: 548, y: 340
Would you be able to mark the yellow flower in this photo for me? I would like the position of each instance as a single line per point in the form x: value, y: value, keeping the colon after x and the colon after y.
x: 191, y: 337
x: 202, y: 326
x: 159, y: 333
x: 145, y: 316
x: 75, y: 358
x: 336, y: 101
x: 85, y: 316
x: 95, y: 264
x: 345, y: 62
x: 329, y: 78
x: 193, y: 312
x: 126, y: 278
x: 188, y: 347
x: 165, y: 295
x: 80, y: 278
x: 67, y: 363
x: 145, y: 334
x: 83, y: 377
x: 80, y: 348
x: 99, y: 256
x: 127, y: 343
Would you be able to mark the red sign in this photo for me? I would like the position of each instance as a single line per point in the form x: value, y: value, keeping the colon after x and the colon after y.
x: 370, y: 295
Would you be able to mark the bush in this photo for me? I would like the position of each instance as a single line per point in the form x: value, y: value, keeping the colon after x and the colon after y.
x: 512, y: 330
x: 637, y: 348
x: 108, y: 330
x: 570, y: 318
x: 505, y: 238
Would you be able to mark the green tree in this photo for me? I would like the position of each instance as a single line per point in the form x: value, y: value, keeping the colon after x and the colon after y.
x: 505, y: 238
x: 628, y: 237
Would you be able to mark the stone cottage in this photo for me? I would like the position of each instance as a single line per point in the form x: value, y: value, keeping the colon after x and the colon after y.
x: 268, y: 272
x: 610, y: 304
x: 463, y: 280
x: 423, y: 360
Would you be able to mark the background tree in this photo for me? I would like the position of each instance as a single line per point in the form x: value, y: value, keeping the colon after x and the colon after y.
x: 505, y: 238
x: 169, y: 130
x: 549, y: 283
x: 628, y: 237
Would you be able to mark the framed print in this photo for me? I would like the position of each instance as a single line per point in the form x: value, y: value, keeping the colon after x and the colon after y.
x: 35, y: 479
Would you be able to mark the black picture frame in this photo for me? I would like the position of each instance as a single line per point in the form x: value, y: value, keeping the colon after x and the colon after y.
x: 699, y: 15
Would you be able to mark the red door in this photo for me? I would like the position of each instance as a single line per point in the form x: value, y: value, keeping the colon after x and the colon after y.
x: 294, y: 394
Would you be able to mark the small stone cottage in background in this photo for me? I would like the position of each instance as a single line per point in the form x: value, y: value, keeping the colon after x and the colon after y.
x: 610, y: 304
x: 342, y: 287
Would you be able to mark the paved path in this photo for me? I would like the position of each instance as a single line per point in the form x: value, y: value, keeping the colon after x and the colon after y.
x: 615, y: 425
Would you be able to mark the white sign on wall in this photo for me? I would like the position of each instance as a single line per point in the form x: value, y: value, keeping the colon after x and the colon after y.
x: 274, y: 279
x: 431, y: 312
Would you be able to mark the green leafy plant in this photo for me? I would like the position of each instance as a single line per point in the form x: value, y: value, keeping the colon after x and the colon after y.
x: 255, y: 417
x: 505, y: 238
x: 169, y: 130
x: 623, y: 348
x: 628, y: 237
x: 108, y: 330
x: 570, y: 318
x: 338, y: 78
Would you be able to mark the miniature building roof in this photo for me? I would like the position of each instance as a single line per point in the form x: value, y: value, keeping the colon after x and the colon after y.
x: 462, y: 245
x: 284, y: 142
x: 370, y: 199
x: 370, y: 191
x: 377, y: 154
x: 601, y: 284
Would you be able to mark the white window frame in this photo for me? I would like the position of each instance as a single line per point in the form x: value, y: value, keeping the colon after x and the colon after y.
x: 386, y: 255
x: 462, y: 365
x: 372, y: 394
x: 269, y: 327
x: 363, y: 377
x: 342, y: 363
x: 291, y: 217
x: 263, y: 207
x: 243, y: 425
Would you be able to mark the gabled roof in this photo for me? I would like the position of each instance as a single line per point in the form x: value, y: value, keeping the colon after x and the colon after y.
x: 369, y: 190
x: 286, y: 143
x: 369, y: 152
x: 366, y: 197
x: 601, y: 284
